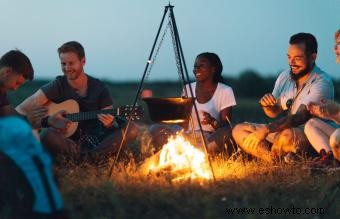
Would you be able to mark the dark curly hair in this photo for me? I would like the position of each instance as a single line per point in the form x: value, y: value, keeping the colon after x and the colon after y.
x: 216, y: 62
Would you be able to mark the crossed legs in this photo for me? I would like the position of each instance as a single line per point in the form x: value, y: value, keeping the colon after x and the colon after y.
x: 335, y: 143
x: 276, y: 144
x: 56, y: 143
x: 323, y: 136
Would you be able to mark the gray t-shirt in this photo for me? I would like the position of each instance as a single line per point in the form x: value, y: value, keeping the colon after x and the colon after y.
x: 98, y: 97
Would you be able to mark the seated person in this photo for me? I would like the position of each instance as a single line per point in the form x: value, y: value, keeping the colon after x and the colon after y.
x: 27, y: 186
x: 214, y: 101
x: 95, y: 136
x: 15, y: 70
x: 325, y: 137
x: 294, y: 89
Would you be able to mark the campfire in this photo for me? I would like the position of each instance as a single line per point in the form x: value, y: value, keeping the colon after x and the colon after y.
x: 180, y: 159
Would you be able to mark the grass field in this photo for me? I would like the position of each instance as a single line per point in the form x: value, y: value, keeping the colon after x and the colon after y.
x: 248, y: 186
x: 89, y: 193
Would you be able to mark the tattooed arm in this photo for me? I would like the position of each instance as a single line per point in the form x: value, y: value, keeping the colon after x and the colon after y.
x: 301, y: 116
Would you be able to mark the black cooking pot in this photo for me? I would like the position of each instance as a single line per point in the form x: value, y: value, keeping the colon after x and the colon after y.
x: 169, y: 110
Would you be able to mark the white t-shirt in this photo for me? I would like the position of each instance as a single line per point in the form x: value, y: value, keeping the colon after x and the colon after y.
x: 318, y: 86
x: 223, y: 97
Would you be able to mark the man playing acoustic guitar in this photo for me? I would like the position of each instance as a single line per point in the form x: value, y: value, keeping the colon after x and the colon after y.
x: 101, y: 134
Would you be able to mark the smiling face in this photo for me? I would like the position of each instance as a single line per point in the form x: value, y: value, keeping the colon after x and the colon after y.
x: 300, y: 63
x: 203, y: 69
x: 71, y: 65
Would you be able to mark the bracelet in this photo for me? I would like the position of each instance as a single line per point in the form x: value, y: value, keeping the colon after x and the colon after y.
x: 44, y: 122
x: 114, y: 125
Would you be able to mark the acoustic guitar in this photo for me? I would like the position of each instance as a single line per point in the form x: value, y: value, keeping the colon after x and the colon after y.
x: 73, y: 114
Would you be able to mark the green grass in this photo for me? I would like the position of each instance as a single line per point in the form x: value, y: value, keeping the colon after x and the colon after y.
x: 89, y: 193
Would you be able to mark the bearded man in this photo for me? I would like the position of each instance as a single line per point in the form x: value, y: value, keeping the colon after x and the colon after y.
x: 294, y: 89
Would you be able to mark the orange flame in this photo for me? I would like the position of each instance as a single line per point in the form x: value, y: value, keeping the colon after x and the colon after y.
x: 182, y: 159
x: 173, y: 121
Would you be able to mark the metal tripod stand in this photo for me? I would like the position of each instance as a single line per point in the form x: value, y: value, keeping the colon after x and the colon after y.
x: 182, y: 70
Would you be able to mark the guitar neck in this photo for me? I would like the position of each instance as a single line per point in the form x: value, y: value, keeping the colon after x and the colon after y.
x: 75, y: 117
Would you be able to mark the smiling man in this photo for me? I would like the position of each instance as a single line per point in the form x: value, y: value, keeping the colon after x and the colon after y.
x: 294, y: 89
x: 100, y: 135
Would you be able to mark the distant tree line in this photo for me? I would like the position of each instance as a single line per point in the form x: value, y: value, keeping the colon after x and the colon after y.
x: 249, y: 84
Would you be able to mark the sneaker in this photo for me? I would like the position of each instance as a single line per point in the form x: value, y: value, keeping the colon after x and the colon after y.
x: 325, y: 159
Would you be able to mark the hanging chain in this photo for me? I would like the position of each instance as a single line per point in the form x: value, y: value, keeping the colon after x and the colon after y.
x: 152, y: 61
x: 177, y: 55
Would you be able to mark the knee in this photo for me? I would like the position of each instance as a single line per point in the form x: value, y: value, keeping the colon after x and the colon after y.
x: 287, y: 136
x: 133, y: 130
x: 238, y: 132
x: 159, y: 134
x: 292, y: 140
x: 284, y: 142
x: 155, y: 129
x: 48, y: 135
x: 334, y: 139
x: 311, y: 125
x: 52, y: 140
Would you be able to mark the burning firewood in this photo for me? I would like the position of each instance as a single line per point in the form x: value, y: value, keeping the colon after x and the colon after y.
x: 179, y: 159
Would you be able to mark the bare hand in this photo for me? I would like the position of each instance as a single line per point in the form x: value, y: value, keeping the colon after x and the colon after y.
x: 35, y: 115
x: 58, y: 121
x: 325, y: 110
x: 267, y: 100
x: 106, y: 119
x: 209, y: 120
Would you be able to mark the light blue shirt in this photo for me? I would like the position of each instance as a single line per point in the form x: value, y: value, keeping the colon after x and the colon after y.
x: 318, y: 86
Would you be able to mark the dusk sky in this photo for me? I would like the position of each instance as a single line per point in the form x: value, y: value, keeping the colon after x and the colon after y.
x: 118, y: 34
